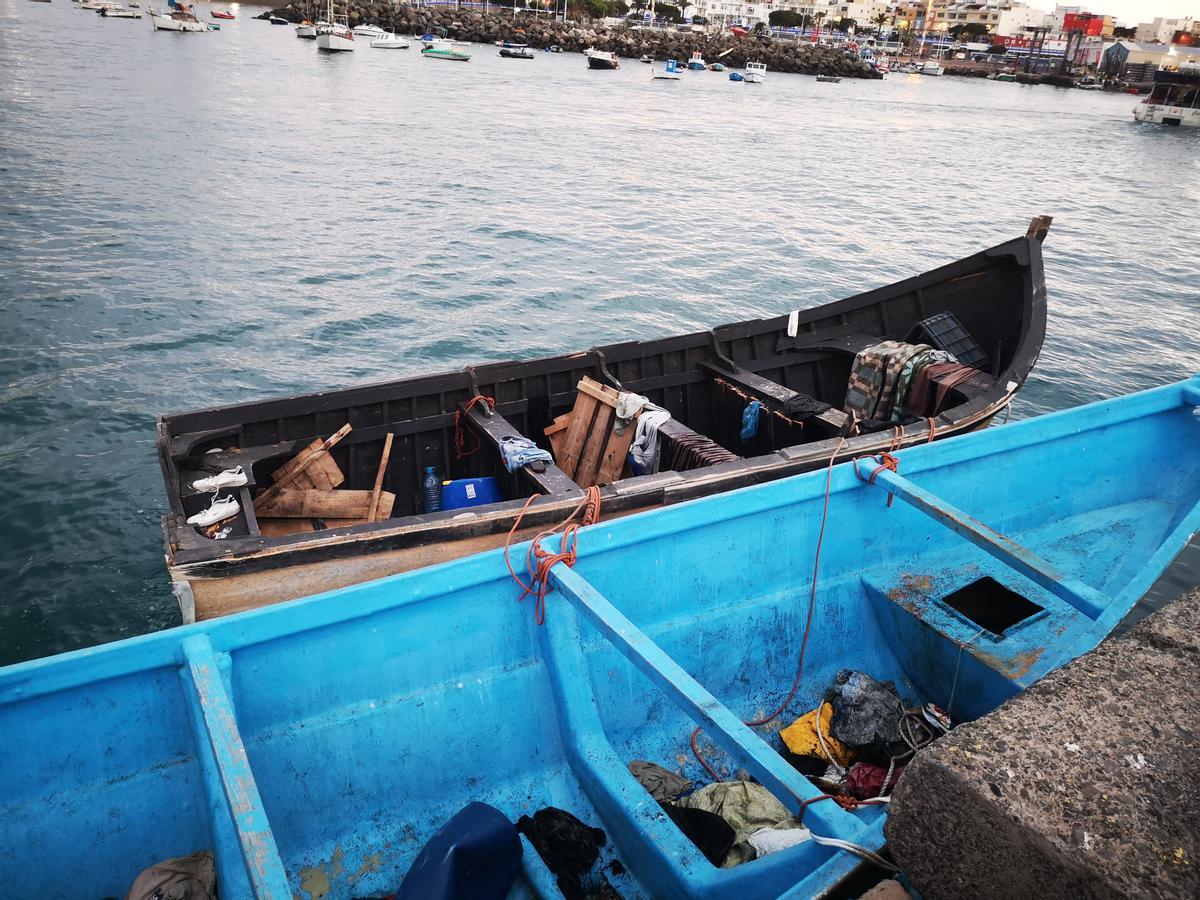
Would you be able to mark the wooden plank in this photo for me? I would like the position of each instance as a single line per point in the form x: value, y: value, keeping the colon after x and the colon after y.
x: 598, y: 391
x: 323, y: 473
x: 615, y: 451
x: 593, y: 449
x: 278, y: 486
x: 311, y: 504
x: 581, y: 422
x: 383, y: 462
x: 557, y: 433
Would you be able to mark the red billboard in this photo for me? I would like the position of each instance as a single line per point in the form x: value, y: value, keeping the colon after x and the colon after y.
x: 1091, y: 25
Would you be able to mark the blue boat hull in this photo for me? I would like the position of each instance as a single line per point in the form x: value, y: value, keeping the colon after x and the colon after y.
x: 315, y: 746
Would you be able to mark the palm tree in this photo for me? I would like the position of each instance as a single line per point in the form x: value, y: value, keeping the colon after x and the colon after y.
x: 820, y: 17
x: 880, y: 20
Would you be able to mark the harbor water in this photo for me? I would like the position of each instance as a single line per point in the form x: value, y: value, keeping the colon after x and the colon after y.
x: 193, y: 220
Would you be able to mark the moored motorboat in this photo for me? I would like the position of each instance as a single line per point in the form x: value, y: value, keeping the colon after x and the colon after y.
x: 278, y: 20
x: 671, y: 72
x: 445, y: 51
x: 369, y: 31
x: 601, y: 59
x: 792, y: 364
x: 390, y: 41
x: 182, y: 17
x: 931, y: 67
x: 647, y: 58
x: 1000, y: 559
x: 1174, y: 100
x: 716, y: 67
x: 307, y: 30
x: 120, y: 12
x: 697, y: 63
x: 222, y: 14
x: 756, y: 72
x: 829, y: 79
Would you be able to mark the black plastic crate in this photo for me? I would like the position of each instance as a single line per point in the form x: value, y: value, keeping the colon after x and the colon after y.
x: 944, y: 332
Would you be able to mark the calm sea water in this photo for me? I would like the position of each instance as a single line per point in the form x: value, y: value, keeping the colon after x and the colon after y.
x: 191, y: 220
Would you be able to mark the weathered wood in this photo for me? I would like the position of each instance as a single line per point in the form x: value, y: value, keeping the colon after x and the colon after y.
x: 547, y: 478
x: 593, y: 449
x: 311, y: 504
x: 323, y: 474
x: 383, y: 463
x: 615, y: 452
x: 1039, y: 227
x: 557, y: 433
x: 581, y: 422
x: 326, y: 446
x: 599, y: 391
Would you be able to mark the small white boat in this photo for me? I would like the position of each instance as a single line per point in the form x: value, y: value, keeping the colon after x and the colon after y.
x: 369, y: 31
x: 830, y: 79
x: 120, y: 12
x: 756, y: 73
x: 672, y: 72
x: 96, y: 5
x: 1174, y: 100
x: 601, y: 59
x: 909, y: 69
x: 697, y: 63
x: 307, y: 30
x: 931, y: 67
x: 181, y: 18
x: 390, y: 41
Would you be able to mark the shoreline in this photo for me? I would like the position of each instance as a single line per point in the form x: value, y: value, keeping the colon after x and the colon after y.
x: 732, y: 50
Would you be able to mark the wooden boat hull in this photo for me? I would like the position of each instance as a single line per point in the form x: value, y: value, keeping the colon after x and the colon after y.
x: 323, y: 742
x: 999, y: 295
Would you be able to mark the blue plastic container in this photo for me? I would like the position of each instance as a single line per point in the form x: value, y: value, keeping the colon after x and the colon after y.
x: 464, y: 492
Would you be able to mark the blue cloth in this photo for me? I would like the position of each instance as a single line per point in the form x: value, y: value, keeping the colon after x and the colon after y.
x: 521, y: 451
x: 750, y: 420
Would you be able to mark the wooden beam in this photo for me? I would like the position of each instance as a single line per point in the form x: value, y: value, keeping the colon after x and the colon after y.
x: 383, y: 463
x: 547, y: 478
x: 317, y: 504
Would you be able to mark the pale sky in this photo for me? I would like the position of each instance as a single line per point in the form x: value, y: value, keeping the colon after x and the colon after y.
x: 1131, y: 12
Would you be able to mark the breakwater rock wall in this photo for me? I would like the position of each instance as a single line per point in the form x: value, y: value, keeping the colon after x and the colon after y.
x: 463, y: 25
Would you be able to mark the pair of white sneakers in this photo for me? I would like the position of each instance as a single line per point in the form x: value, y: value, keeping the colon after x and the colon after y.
x: 221, y: 507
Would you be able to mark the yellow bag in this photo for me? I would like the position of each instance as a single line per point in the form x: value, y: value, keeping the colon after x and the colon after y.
x: 801, y: 737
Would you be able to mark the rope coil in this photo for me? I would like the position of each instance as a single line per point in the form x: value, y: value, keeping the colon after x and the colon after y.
x: 460, y: 433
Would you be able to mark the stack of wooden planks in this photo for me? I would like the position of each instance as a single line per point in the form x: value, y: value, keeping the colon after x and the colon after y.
x: 305, y: 492
x: 583, y: 441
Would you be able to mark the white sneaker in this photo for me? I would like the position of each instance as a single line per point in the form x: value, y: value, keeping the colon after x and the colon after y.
x: 220, y: 508
x: 227, y: 479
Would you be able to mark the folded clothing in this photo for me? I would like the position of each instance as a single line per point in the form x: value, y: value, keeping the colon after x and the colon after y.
x: 521, y: 451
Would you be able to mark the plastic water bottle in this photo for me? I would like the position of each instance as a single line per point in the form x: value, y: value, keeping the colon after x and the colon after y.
x: 431, y: 490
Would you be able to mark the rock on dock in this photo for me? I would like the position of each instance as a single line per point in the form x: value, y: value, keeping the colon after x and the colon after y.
x: 1086, y: 785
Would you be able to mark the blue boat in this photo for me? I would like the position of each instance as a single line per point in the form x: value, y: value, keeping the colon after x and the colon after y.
x: 315, y: 746
x: 735, y: 76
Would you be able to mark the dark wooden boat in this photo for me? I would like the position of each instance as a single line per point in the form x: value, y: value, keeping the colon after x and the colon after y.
x: 704, y: 379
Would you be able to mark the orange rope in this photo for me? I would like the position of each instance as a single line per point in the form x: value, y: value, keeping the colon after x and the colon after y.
x: 932, y: 429
x: 886, y: 461
x: 460, y: 432
x: 812, y: 603
x: 539, y: 561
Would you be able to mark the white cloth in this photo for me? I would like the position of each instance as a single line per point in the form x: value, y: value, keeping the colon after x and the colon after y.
x: 645, y: 446
x: 766, y: 841
x: 628, y: 406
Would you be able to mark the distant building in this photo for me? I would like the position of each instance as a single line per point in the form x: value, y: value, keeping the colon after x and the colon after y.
x: 1088, y: 23
x: 1137, y: 62
x: 1161, y: 30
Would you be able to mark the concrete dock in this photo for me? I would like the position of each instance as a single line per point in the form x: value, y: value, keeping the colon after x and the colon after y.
x: 1086, y: 785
